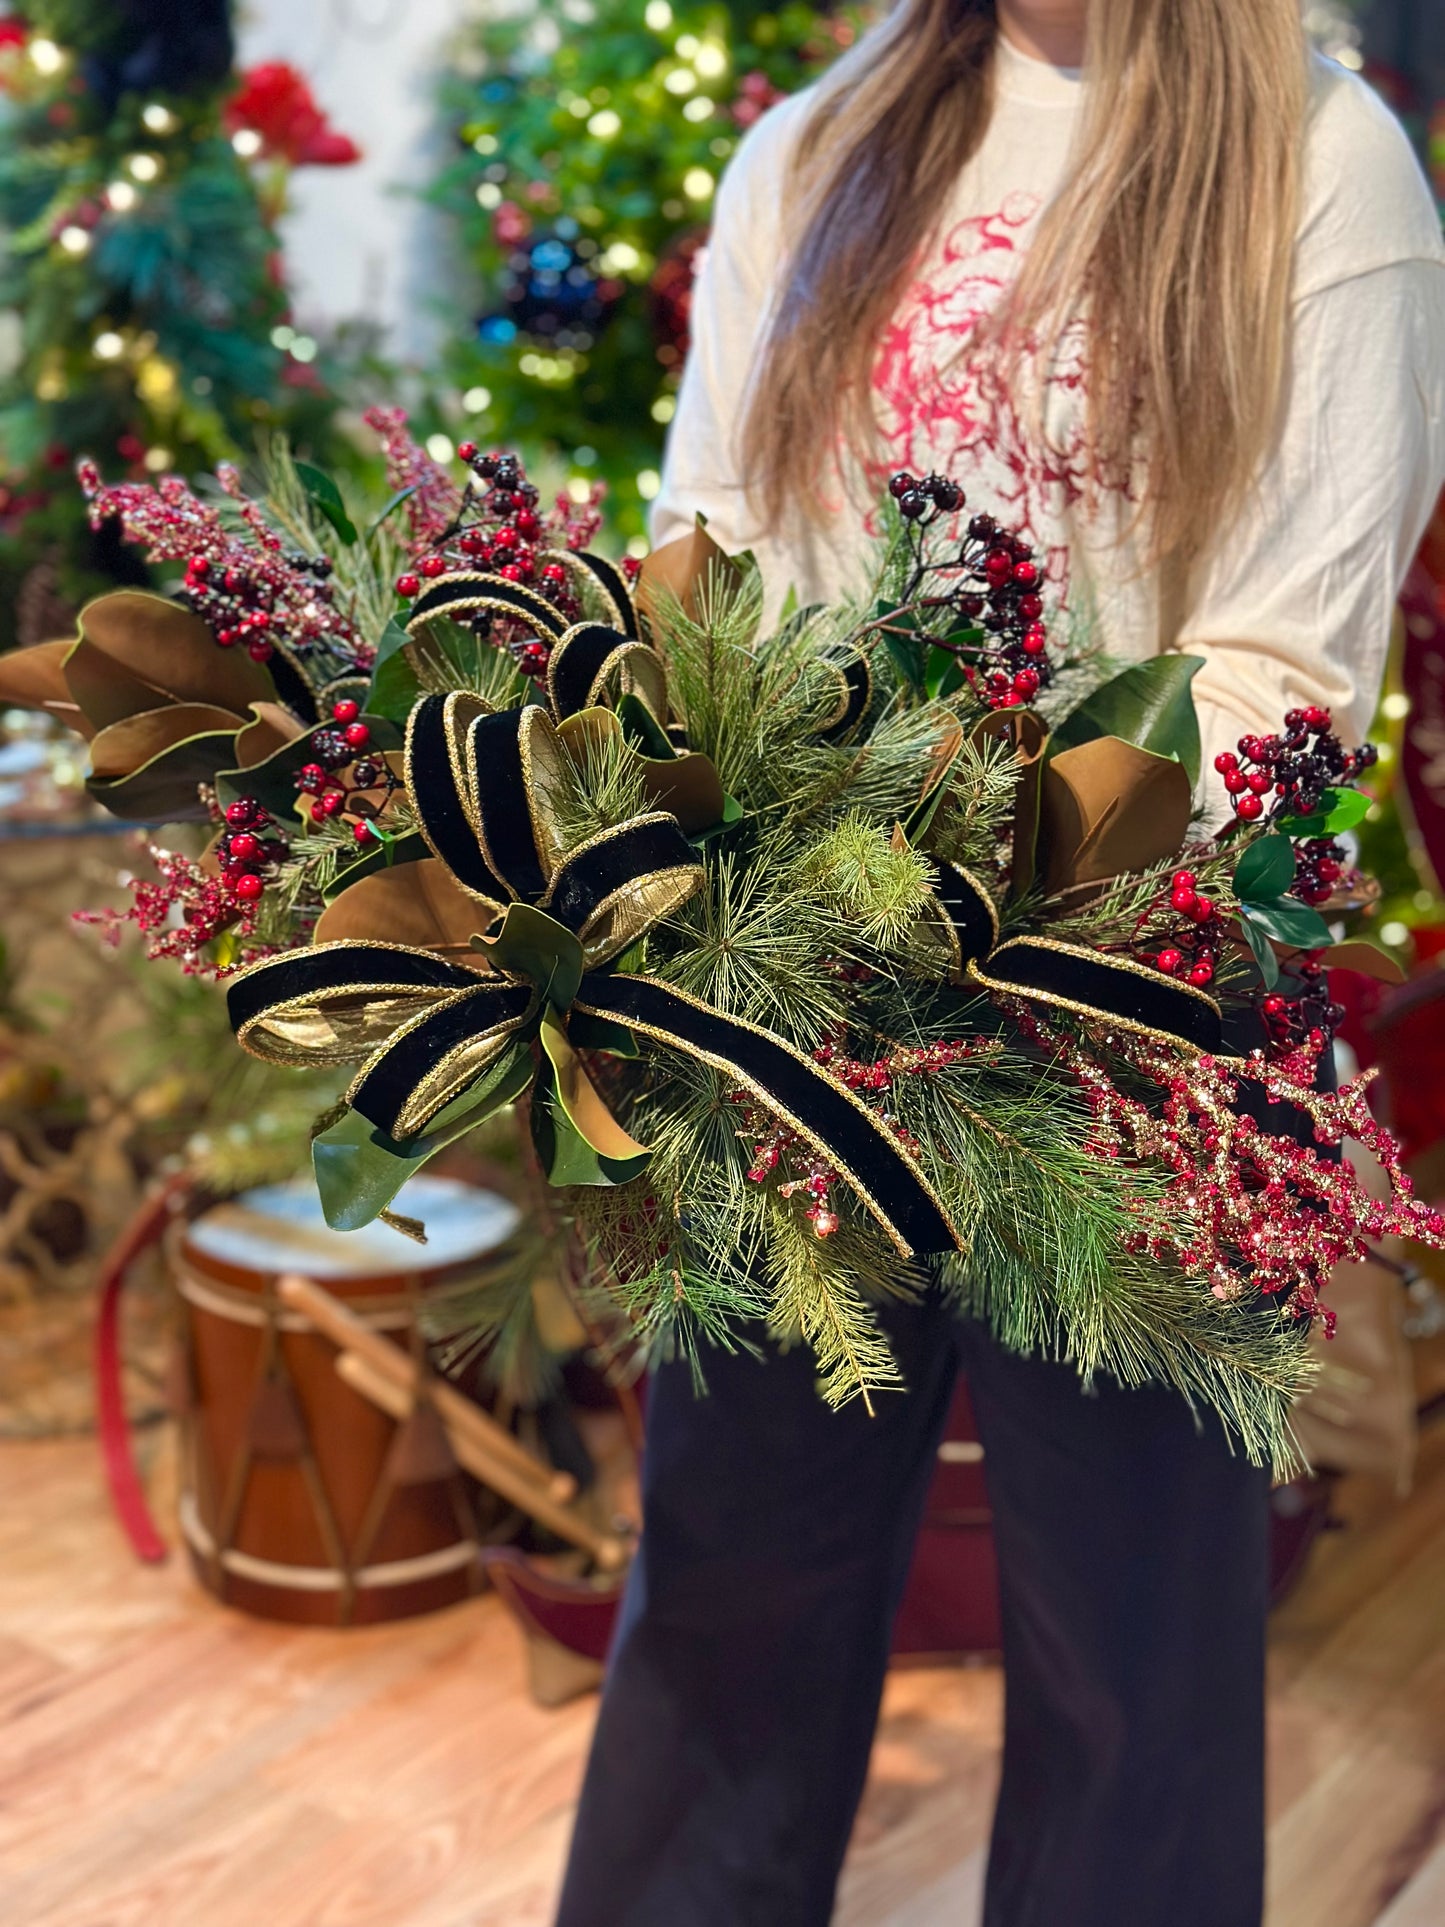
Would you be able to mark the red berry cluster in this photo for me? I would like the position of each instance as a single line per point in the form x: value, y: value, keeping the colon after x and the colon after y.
x: 340, y: 755
x: 1293, y: 770
x: 1193, y: 951
x: 250, y: 848
x: 1307, y: 1021
x: 247, y: 587
x: 997, y: 588
x: 506, y: 538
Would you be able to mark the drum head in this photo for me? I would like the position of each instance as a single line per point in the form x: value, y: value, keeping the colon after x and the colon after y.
x: 280, y: 1227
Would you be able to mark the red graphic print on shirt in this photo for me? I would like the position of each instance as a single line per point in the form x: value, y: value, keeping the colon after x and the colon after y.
x: 943, y: 408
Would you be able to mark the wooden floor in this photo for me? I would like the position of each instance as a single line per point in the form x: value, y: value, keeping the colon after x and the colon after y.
x: 165, y: 1763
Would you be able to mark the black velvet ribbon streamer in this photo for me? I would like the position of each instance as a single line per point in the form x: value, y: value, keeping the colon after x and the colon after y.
x: 1069, y: 976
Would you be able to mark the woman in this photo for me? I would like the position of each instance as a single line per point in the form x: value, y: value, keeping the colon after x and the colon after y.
x: 1169, y: 296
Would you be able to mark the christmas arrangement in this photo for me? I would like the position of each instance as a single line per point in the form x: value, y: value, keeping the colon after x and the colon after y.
x: 818, y: 964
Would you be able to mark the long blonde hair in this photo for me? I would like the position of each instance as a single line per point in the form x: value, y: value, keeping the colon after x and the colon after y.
x: 1172, y: 237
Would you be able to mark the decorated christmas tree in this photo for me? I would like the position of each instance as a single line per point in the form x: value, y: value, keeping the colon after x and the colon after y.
x: 590, y: 141
x: 143, y: 316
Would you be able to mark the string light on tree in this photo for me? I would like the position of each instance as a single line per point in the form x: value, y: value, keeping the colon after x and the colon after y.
x: 593, y: 134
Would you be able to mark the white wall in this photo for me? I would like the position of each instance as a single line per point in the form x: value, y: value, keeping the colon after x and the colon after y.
x: 354, y: 246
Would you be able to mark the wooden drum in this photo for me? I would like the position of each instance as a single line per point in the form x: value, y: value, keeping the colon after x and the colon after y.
x: 300, y: 1499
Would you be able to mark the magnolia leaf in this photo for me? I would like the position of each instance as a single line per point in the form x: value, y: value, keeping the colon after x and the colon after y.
x: 533, y: 945
x: 1367, y: 959
x: 273, y: 781
x: 271, y: 727
x: 563, y: 1153
x: 1149, y: 705
x: 418, y: 904
x: 732, y: 812
x: 386, y: 855
x: 133, y: 645
x: 642, y: 729
x: 324, y: 495
x: 1107, y: 808
x: 1265, y: 869
x: 1289, y: 922
x: 34, y: 678
x: 167, y: 788
x: 128, y: 745
x: 359, y: 1169
x: 619, y: 1155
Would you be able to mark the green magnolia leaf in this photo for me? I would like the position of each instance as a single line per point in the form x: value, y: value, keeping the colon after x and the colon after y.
x: 732, y: 812
x: 1149, y: 705
x: 533, y: 945
x: 643, y: 730
x: 563, y: 1153
x: 324, y: 495
x: 1289, y: 922
x: 1263, y: 950
x: 1265, y: 869
x: 1339, y: 810
x: 359, y: 1169
x: 411, y: 848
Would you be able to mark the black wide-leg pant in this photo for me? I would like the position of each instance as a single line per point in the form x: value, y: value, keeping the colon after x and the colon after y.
x: 743, y: 1690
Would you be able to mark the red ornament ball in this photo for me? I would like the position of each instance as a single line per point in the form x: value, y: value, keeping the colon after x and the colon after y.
x: 1250, y: 806
x: 244, y: 847
x: 434, y: 566
x: 1169, y: 961
x: 247, y: 887
x: 346, y: 711
x: 408, y: 586
x: 357, y: 734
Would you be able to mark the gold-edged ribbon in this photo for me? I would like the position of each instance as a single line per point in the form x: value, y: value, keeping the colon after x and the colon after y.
x: 591, y: 660
x: 961, y: 926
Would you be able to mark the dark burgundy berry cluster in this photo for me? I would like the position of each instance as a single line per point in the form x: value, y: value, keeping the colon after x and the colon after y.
x: 1287, y: 775
x: 1319, y: 863
x: 505, y: 535
x: 250, y: 847
x: 239, y: 605
x: 343, y: 778
x: 924, y: 499
x: 1307, y: 1021
x: 1192, y: 951
x: 995, y: 587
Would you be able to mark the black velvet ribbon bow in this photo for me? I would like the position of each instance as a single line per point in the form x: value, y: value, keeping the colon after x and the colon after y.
x: 439, y: 1041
